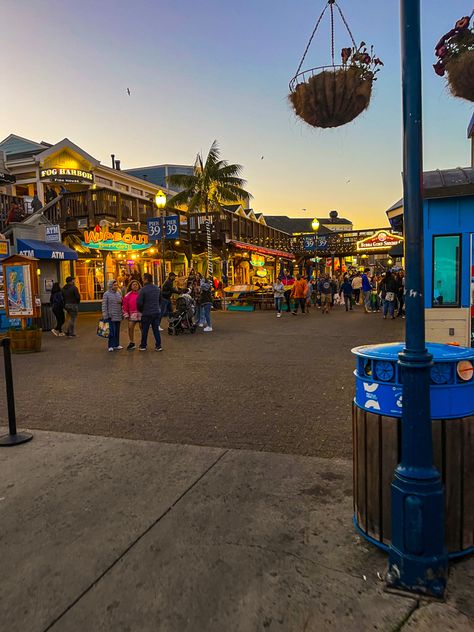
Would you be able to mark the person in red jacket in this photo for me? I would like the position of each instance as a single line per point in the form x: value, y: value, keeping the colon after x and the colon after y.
x: 131, y: 313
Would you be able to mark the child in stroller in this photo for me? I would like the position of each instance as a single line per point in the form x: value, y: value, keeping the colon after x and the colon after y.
x: 182, y: 319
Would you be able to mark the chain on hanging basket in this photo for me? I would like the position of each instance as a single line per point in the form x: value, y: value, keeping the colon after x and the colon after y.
x: 330, y: 96
x: 455, y: 52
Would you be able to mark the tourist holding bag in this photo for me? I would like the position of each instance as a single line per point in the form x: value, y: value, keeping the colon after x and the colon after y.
x: 112, y: 313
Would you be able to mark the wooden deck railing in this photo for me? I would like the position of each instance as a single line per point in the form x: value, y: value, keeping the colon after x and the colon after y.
x: 116, y: 207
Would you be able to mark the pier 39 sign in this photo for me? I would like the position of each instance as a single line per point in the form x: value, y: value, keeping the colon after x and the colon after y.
x: 68, y: 176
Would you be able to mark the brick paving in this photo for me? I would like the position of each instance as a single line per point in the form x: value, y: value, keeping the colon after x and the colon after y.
x: 257, y: 382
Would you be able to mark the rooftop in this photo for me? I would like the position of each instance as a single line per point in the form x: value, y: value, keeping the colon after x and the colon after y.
x: 301, y: 224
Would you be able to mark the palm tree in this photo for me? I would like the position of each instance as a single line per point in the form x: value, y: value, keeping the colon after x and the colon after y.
x: 213, y: 183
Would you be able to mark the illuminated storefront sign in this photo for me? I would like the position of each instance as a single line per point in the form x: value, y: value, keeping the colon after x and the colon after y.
x: 382, y: 240
x: 68, y: 176
x: 106, y: 240
x: 257, y: 261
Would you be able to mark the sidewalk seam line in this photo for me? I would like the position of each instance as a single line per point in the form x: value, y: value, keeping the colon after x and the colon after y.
x: 133, y: 543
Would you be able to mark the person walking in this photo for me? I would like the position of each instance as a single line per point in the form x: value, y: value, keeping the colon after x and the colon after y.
x: 167, y: 291
x: 149, y: 304
x: 346, y: 291
x: 309, y: 294
x: 401, y: 294
x: 357, y: 286
x: 366, y: 290
x: 206, y: 302
x: 325, y: 290
x: 57, y: 306
x: 278, y: 295
x: 388, y: 287
x: 112, y: 313
x: 288, y: 281
x: 298, y: 294
x: 131, y: 312
x: 72, y: 298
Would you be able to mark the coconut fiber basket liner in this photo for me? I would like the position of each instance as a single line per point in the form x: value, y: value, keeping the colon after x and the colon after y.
x: 332, y: 97
x: 461, y: 76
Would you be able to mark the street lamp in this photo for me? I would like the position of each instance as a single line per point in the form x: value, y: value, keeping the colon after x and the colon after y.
x: 160, y: 201
x: 417, y: 554
x: 315, y: 224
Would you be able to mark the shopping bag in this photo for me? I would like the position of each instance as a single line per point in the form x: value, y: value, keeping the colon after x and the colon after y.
x: 390, y: 296
x: 103, y: 328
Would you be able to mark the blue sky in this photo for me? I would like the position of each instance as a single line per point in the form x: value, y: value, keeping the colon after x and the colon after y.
x: 204, y: 70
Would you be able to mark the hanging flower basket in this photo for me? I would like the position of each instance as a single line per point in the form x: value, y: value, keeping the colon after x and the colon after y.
x: 455, y: 52
x: 331, y: 96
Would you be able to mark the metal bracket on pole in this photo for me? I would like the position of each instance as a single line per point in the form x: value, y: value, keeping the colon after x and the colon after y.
x: 13, y: 437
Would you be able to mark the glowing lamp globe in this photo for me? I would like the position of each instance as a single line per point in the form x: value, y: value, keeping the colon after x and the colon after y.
x: 315, y: 224
x: 160, y: 199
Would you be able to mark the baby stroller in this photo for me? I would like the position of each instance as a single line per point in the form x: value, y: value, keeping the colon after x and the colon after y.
x: 182, y: 319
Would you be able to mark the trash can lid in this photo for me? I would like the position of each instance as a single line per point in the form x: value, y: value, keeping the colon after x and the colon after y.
x: 390, y: 351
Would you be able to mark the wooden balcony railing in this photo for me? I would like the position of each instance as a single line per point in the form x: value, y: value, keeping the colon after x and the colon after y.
x: 116, y: 207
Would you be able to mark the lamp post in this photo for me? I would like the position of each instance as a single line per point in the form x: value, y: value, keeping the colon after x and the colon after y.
x: 315, y: 227
x: 417, y: 555
x: 160, y: 201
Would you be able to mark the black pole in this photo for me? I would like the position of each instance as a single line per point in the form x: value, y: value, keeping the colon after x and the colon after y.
x: 13, y: 437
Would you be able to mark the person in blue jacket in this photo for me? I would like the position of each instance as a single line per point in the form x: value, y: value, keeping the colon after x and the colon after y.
x: 366, y: 290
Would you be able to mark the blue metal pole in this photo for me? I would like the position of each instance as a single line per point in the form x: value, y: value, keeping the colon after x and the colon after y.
x: 417, y: 557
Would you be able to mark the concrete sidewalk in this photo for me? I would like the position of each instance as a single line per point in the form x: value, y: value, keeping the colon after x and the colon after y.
x: 100, y: 534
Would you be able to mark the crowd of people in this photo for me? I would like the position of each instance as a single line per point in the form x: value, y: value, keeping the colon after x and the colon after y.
x: 140, y: 303
x: 382, y: 292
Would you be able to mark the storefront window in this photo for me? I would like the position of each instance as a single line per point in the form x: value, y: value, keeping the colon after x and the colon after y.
x: 446, y: 271
x: 90, y: 279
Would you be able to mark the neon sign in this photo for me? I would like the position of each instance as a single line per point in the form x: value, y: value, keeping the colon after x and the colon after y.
x: 106, y: 240
x: 382, y: 240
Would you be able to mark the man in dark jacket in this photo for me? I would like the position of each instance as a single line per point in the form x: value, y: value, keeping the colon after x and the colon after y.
x: 166, y: 292
x: 148, y: 303
x: 72, y: 298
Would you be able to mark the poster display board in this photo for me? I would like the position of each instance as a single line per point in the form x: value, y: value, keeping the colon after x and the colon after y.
x: 20, y: 287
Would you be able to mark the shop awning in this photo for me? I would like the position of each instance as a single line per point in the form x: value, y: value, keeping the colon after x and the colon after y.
x: 262, y: 250
x: 45, y: 250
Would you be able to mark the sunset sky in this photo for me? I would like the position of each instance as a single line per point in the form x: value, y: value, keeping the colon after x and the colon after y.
x: 200, y: 71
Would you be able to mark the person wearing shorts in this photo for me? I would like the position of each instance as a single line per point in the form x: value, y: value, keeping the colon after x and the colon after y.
x: 325, y: 290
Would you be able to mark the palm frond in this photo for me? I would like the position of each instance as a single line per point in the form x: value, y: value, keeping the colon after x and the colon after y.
x: 181, y: 180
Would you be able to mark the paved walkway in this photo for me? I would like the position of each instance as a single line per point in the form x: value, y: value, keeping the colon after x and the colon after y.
x: 257, y: 382
x: 110, y: 535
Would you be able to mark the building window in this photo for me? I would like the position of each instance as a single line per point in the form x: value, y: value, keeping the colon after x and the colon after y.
x: 446, y: 289
x: 136, y: 191
x: 121, y: 187
x: 106, y: 181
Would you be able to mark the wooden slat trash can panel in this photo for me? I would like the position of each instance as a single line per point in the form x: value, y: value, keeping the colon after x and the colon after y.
x: 377, y: 443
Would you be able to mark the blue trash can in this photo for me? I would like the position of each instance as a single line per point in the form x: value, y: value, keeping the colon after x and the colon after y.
x: 377, y: 411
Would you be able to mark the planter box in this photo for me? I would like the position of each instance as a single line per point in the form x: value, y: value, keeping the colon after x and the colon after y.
x: 25, y: 340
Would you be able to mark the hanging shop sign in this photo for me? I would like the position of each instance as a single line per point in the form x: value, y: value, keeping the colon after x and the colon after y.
x: 4, y: 248
x: 118, y: 241
x: 52, y: 234
x: 171, y: 227
x: 67, y: 176
x: 381, y: 240
x: 7, y: 178
x: 257, y: 261
x: 315, y: 242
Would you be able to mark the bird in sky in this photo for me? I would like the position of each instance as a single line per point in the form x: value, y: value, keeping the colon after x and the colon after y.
x: 262, y: 158
x: 128, y: 91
